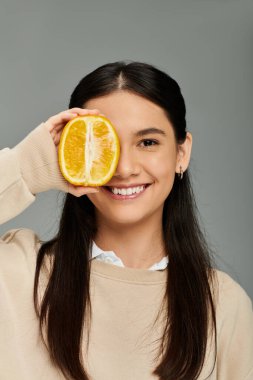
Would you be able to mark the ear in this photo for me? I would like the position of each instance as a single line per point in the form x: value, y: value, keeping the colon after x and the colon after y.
x: 184, y: 153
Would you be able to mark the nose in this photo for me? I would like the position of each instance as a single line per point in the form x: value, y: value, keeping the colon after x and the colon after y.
x: 128, y: 164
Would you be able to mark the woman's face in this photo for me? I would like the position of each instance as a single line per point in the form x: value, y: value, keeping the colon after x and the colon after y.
x: 141, y: 161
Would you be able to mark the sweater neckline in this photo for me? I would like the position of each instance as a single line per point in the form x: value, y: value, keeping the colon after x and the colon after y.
x: 125, y: 274
x: 110, y: 256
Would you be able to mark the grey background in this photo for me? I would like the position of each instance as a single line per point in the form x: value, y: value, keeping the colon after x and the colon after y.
x: 47, y: 47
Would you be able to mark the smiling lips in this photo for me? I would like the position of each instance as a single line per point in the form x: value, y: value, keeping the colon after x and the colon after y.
x: 117, y: 194
x: 119, y: 186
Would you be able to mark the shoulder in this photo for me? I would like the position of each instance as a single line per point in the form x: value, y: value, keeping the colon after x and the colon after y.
x: 22, y: 237
x: 229, y: 288
x: 233, y: 303
x: 19, y: 246
x: 234, y: 321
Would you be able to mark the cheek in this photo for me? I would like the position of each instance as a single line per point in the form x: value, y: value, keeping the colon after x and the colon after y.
x: 161, y: 166
x: 163, y: 172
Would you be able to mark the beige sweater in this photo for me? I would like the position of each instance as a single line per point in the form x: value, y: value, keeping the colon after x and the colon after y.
x: 125, y: 300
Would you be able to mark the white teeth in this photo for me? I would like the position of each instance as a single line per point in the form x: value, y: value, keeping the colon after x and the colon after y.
x: 129, y: 191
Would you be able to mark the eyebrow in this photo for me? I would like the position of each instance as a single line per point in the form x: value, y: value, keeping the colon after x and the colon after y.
x: 148, y: 131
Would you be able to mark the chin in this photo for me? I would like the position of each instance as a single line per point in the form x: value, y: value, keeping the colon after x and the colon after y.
x: 123, y: 218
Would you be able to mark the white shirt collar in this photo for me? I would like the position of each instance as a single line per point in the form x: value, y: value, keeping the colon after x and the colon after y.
x: 111, y: 257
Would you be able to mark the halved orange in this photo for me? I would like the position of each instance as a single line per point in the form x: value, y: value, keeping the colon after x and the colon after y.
x: 88, y: 151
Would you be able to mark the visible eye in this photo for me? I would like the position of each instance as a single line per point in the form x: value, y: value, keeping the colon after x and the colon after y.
x: 150, y: 141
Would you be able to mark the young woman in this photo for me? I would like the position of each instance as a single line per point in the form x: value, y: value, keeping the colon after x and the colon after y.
x: 127, y: 289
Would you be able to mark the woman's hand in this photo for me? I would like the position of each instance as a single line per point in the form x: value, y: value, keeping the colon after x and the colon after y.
x: 55, y: 125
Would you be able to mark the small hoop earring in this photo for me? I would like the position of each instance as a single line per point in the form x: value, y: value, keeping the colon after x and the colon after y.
x: 180, y: 175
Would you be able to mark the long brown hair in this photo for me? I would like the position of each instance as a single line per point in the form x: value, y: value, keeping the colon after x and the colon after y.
x: 190, y: 309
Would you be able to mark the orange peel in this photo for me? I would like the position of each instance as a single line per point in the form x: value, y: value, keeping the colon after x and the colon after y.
x: 88, y: 150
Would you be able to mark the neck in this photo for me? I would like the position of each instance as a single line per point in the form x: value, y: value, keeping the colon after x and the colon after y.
x: 138, y: 246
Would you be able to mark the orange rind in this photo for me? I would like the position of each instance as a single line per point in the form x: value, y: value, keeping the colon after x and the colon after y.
x: 88, y: 151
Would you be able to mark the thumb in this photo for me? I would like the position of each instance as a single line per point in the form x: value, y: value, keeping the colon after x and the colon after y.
x: 78, y: 191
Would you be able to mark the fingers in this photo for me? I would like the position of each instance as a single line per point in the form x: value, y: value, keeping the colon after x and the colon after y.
x: 78, y: 191
x: 59, y: 120
x: 83, y: 111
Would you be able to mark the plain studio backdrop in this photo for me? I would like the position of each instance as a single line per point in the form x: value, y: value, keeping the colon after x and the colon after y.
x: 206, y: 45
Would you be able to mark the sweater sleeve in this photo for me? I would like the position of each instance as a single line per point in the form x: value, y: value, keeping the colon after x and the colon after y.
x: 235, y: 337
x: 28, y: 168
